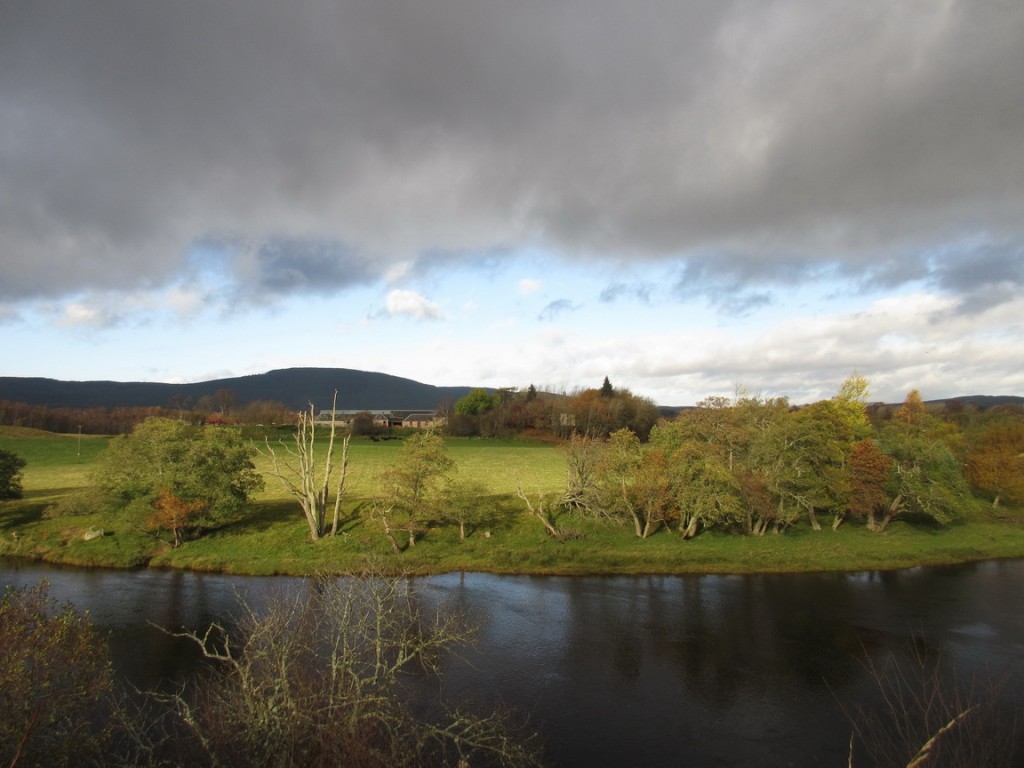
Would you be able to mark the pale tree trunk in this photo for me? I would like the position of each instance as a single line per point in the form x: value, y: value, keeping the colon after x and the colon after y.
x: 638, y: 528
x: 637, y: 525
x: 340, y: 490
x: 537, y: 511
x: 777, y: 525
x: 302, y: 477
x: 384, y: 515
x: 893, y: 510
x: 815, y: 525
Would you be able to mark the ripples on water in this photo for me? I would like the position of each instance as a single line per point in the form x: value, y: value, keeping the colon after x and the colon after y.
x: 702, y: 671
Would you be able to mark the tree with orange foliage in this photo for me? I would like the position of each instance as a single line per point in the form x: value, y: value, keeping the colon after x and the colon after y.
x: 995, y: 461
x: 871, y: 474
x: 912, y: 412
x: 171, y: 513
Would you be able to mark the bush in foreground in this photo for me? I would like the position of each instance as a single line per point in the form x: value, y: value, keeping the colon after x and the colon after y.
x: 55, y: 682
x: 338, y: 675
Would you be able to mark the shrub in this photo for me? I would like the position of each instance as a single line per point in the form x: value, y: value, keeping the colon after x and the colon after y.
x: 55, y: 679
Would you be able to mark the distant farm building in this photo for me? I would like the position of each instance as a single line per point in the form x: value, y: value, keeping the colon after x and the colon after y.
x: 419, y: 419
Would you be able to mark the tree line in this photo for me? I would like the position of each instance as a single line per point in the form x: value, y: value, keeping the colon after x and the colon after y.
x: 209, y: 409
x: 482, y: 412
x: 758, y: 464
x: 595, y: 411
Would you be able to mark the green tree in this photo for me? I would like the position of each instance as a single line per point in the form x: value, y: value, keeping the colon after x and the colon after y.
x: 412, y: 487
x: 929, y: 482
x: 477, y: 402
x: 706, y: 492
x: 803, y: 455
x: 11, y: 465
x: 209, y: 467
x: 853, y: 399
x: 714, y: 422
x: 617, y: 474
x: 747, y: 438
x: 779, y: 453
x: 478, y: 413
x: 462, y: 503
x: 830, y: 428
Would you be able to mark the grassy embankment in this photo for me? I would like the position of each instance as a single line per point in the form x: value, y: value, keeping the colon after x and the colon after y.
x: 273, y: 539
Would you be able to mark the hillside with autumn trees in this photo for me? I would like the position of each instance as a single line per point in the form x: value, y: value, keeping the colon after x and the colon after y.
x: 759, y: 464
x: 753, y: 465
x: 745, y: 464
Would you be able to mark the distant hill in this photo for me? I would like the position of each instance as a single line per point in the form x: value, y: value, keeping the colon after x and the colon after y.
x: 294, y: 387
x: 981, y: 402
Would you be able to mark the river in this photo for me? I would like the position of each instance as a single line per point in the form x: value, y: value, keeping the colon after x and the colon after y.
x: 682, y: 671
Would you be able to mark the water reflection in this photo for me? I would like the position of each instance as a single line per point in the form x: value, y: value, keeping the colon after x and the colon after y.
x: 710, y: 670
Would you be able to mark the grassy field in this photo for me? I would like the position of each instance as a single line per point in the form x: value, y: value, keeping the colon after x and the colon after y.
x: 273, y: 538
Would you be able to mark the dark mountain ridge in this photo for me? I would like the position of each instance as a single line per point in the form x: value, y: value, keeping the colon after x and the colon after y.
x: 296, y: 388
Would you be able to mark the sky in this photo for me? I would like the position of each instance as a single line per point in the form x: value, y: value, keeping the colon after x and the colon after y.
x: 689, y: 197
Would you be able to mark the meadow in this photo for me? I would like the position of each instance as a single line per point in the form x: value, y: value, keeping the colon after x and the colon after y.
x: 272, y: 538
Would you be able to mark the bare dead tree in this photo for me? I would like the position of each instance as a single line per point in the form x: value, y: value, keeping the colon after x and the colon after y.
x: 537, y: 510
x: 301, y: 473
x: 320, y: 678
x: 382, y: 511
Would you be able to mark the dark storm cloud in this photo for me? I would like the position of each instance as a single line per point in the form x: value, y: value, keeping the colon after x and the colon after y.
x: 981, y: 266
x: 741, y: 137
x: 727, y: 286
x: 983, y: 277
x: 640, y: 291
x: 556, y: 308
x: 286, y: 266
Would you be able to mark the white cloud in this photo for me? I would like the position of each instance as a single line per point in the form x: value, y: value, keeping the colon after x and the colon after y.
x: 406, y: 303
x: 90, y: 312
x: 529, y: 285
x: 397, y: 271
x: 185, y: 302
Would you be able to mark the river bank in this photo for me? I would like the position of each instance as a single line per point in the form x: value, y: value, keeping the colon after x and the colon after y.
x: 273, y: 541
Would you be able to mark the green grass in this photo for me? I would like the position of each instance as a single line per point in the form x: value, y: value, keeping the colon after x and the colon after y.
x: 272, y: 539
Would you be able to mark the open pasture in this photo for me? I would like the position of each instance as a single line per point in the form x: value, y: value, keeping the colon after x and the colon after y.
x: 273, y: 538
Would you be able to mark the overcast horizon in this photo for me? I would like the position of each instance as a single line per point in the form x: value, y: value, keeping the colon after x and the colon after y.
x: 684, y: 197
